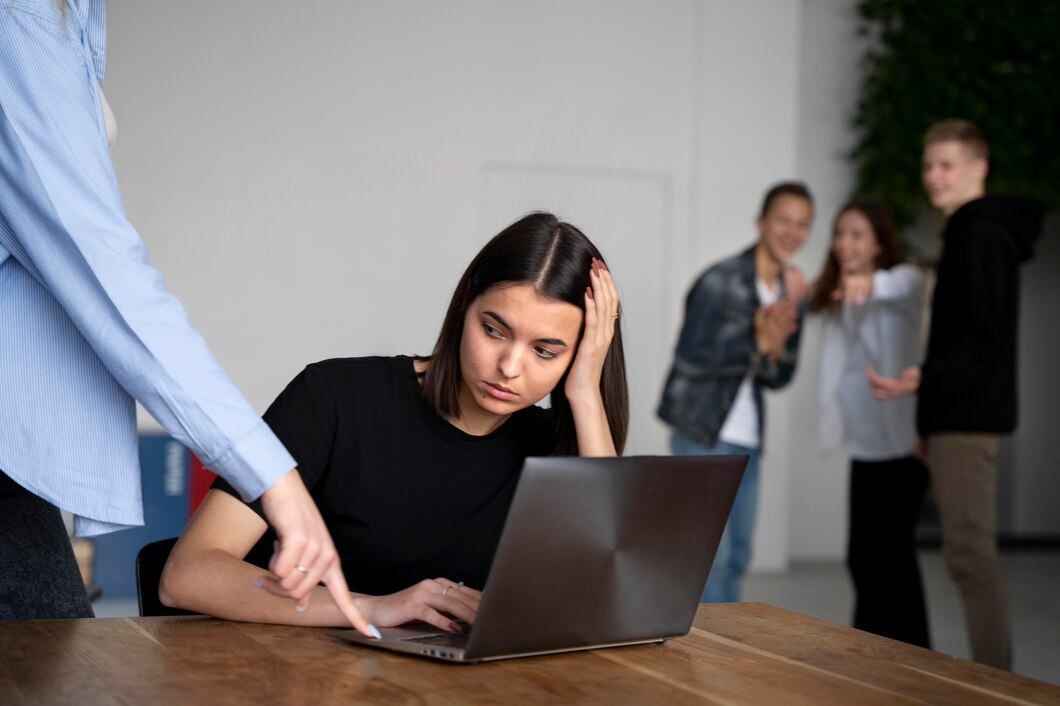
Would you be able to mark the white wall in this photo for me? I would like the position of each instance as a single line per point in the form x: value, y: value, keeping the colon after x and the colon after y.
x: 828, y: 89
x: 1028, y: 468
x: 311, y: 179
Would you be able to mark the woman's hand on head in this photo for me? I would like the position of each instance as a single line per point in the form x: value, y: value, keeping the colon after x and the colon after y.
x: 434, y: 601
x: 601, y: 315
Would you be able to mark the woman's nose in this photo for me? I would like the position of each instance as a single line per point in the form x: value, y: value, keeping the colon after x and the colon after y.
x: 509, y: 363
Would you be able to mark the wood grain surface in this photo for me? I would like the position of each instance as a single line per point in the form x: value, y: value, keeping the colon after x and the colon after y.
x: 737, y: 653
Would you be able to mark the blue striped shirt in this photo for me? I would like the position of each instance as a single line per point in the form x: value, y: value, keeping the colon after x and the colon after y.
x: 85, y: 323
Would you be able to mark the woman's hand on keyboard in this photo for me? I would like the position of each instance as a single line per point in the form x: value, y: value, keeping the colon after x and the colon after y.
x: 435, y: 601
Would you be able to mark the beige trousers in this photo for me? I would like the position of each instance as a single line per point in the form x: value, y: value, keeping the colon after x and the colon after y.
x: 964, y: 480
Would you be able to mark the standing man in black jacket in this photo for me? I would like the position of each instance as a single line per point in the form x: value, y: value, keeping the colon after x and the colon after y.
x: 967, y: 384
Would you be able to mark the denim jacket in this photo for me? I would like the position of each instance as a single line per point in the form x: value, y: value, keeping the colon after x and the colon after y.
x: 716, y: 350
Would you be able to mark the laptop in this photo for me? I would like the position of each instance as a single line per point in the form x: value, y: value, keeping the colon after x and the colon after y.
x: 595, y: 552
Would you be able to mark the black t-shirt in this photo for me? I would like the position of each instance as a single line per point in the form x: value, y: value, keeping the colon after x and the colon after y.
x: 405, y: 494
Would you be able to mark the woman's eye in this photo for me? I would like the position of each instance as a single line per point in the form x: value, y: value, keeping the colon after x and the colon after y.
x: 545, y: 353
x: 492, y: 331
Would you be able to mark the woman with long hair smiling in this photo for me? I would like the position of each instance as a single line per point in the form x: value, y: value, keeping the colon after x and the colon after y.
x: 872, y: 306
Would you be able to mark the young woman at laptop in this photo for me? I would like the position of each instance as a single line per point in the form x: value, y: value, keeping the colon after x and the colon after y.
x: 413, y: 461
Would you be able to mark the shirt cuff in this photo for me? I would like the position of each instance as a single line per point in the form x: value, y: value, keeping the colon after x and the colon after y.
x: 254, y: 463
x: 763, y: 365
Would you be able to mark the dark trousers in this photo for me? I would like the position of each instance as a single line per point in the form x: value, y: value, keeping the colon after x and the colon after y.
x: 39, y: 577
x: 885, y: 501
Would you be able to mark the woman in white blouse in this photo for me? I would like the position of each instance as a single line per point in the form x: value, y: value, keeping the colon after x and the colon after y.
x: 871, y: 307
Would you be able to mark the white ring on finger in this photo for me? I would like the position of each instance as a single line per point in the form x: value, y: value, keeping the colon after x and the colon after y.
x: 446, y: 590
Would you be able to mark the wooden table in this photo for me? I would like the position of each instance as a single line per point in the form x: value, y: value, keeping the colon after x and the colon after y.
x: 737, y: 653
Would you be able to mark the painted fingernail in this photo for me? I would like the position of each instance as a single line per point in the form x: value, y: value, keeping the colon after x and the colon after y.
x: 375, y: 632
x: 256, y: 583
x: 300, y: 607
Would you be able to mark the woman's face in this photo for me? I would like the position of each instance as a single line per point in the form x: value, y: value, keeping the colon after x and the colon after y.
x: 854, y: 244
x: 515, y: 347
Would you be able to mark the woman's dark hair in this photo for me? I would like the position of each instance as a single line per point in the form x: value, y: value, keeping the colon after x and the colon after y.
x: 879, y: 217
x: 555, y: 258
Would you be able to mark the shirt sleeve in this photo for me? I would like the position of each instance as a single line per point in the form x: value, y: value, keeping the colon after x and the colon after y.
x: 898, y: 283
x: 62, y: 219
x: 303, y: 417
x: 990, y: 269
x: 712, y: 344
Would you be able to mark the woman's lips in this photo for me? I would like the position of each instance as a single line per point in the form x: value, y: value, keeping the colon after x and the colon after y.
x: 500, y: 392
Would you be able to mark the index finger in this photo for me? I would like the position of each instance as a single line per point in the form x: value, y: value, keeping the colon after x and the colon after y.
x: 335, y: 582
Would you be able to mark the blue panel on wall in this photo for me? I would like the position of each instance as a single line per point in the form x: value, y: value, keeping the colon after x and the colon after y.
x: 164, y: 467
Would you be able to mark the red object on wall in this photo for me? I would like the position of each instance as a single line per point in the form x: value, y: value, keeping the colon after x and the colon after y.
x: 200, y: 478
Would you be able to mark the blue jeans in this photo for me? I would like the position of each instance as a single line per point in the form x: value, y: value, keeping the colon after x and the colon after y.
x: 734, y: 551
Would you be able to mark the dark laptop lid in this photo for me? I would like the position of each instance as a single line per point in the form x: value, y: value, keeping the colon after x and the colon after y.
x: 599, y: 551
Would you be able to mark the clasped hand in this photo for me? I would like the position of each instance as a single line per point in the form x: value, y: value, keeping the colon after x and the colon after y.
x: 853, y: 288
x: 773, y: 325
x: 884, y: 388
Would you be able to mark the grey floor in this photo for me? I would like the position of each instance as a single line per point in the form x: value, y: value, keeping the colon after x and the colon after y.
x: 823, y: 589
x: 1032, y: 579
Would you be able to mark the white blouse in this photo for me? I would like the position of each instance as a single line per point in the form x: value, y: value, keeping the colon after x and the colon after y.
x: 883, y: 332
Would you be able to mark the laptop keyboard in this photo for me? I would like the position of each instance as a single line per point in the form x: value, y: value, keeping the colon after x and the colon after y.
x: 445, y: 639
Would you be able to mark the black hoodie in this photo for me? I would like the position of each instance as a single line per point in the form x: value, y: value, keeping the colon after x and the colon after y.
x: 969, y: 375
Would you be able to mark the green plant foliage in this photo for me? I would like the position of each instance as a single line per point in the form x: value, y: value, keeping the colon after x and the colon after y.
x: 994, y: 62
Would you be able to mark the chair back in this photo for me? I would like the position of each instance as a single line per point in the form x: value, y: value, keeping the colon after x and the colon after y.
x: 150, y: 561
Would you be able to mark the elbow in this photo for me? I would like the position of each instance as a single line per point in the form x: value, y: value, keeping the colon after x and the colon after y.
x: 169, y: 589
x: 174, y: 589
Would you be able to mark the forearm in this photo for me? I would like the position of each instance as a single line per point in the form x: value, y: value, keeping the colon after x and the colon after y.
x: 591, y: 424
x: 217, y: 583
